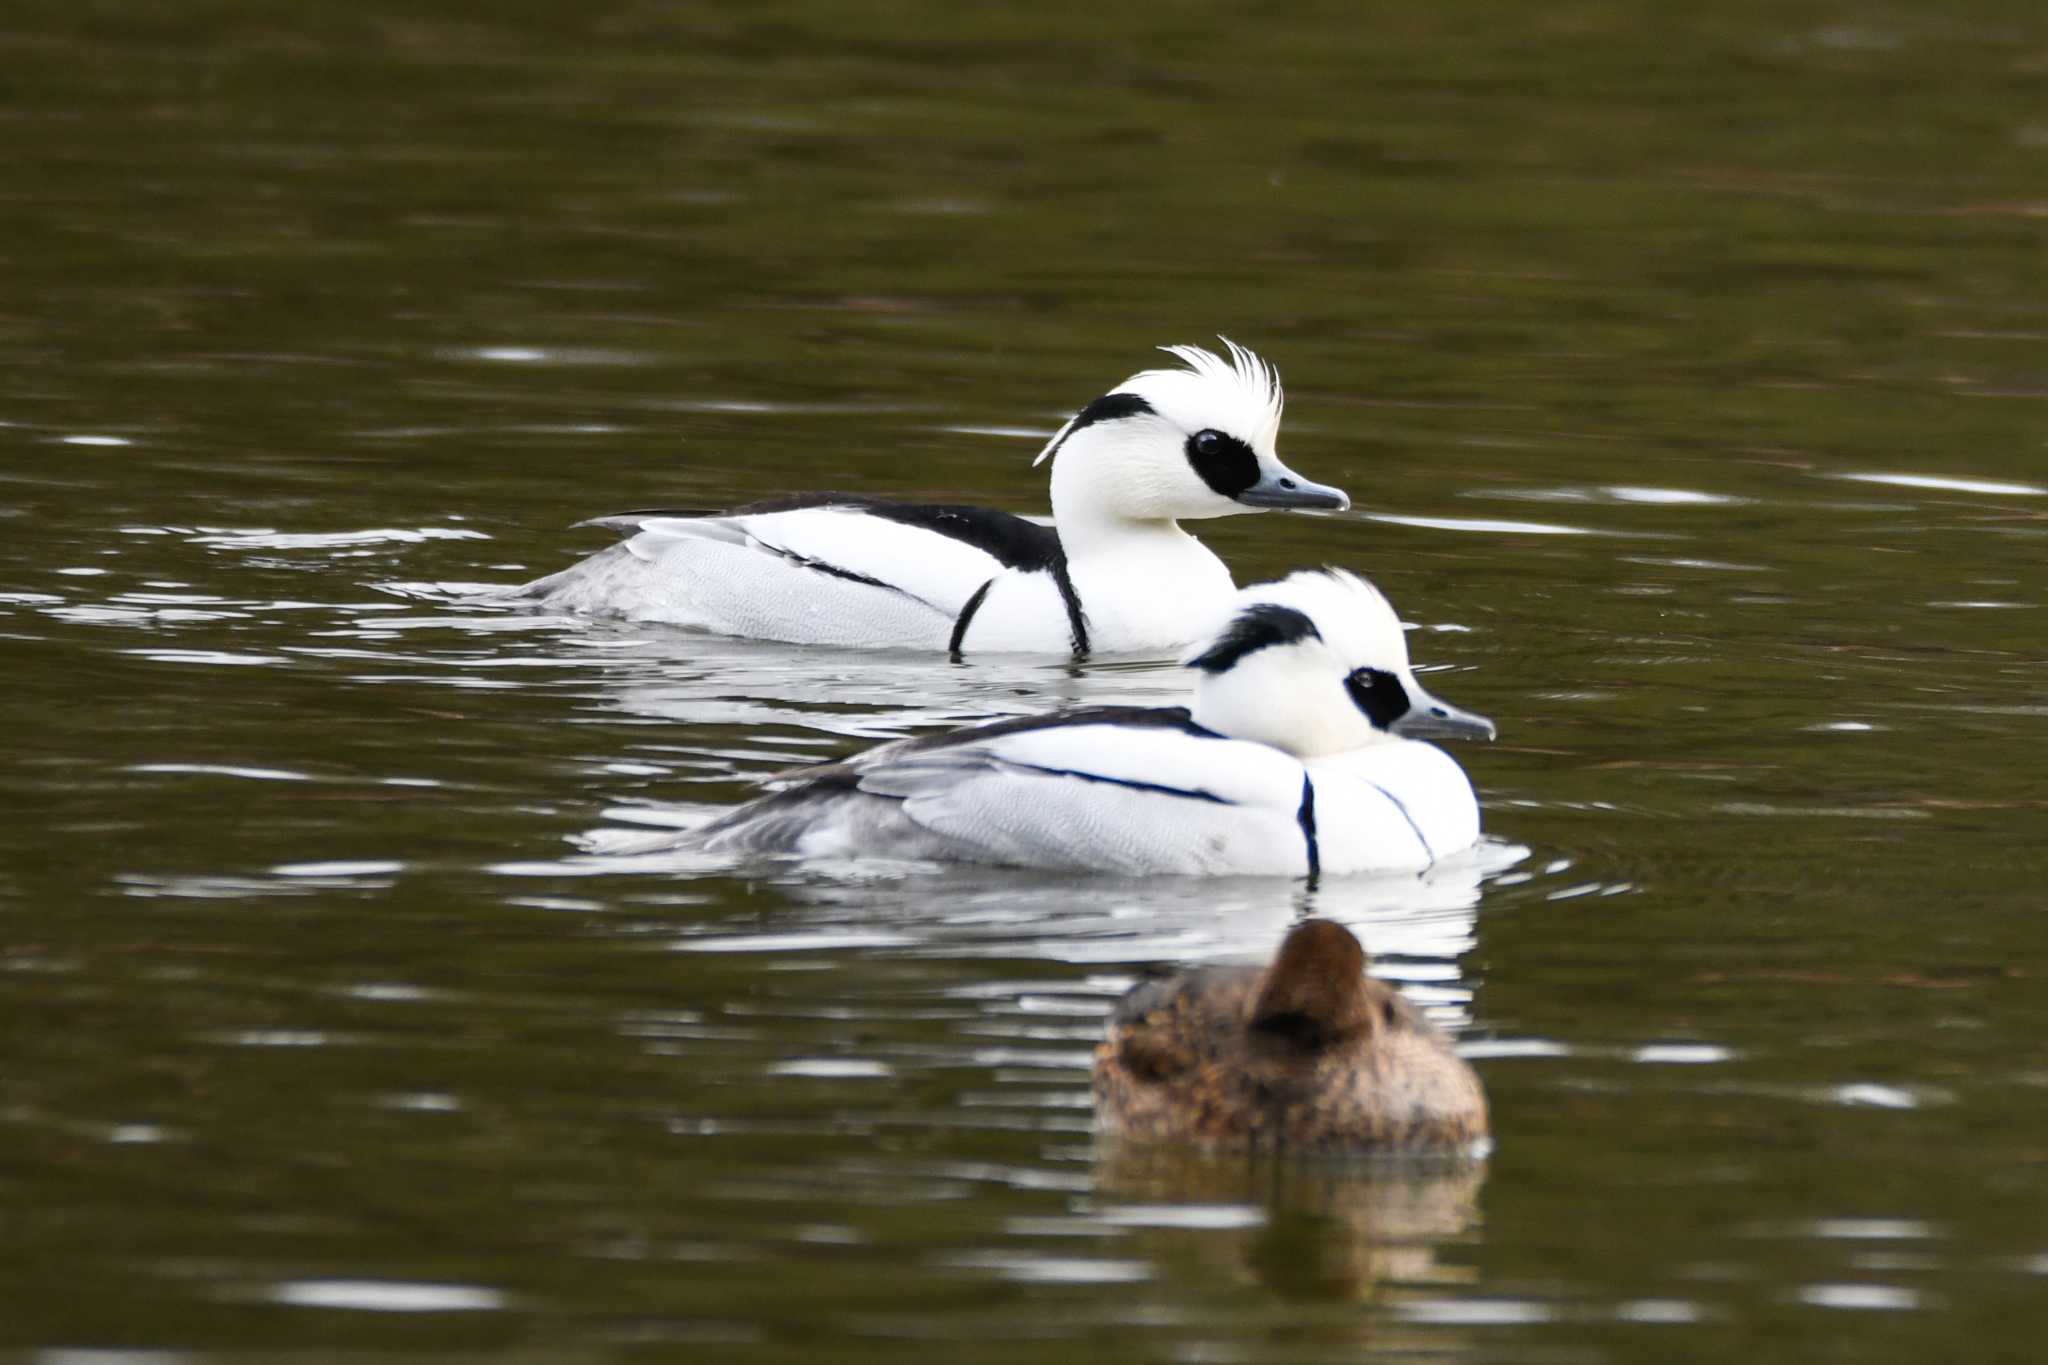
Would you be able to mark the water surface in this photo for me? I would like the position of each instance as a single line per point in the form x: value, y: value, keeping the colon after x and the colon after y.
x: 1687, y: 374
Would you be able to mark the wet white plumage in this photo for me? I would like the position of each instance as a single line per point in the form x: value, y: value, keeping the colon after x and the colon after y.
x: 1285, y: 756
x: 1119, y: 575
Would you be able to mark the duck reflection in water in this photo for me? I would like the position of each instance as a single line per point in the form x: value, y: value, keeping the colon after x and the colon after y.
x: 1305, y: 1230
x: 1309, y: 1055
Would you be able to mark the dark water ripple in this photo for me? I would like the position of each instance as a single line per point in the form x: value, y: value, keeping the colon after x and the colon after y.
x: 1687, y: 373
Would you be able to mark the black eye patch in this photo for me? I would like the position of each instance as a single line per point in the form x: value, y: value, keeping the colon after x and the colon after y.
x: 1379, y: 694
x: 1225, y: 463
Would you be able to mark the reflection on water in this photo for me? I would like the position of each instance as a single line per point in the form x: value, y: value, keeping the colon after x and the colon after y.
x: 1690, y: 393
x: 709, y: 680
x: 1329, y: 1229
x: 865, y: 1007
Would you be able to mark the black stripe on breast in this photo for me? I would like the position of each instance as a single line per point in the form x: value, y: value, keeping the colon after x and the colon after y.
x: 1306, y: 818
x: 1398, y: 805
x: 1077, y: 619
x: 966, y: 618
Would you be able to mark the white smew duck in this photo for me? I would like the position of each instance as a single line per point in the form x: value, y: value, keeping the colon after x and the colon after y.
x: 1299, y: 757
x: 1114, y: 573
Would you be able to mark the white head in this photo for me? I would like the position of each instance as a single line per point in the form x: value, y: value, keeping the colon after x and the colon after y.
x: 1193, y: 442
x: 1317, y: 664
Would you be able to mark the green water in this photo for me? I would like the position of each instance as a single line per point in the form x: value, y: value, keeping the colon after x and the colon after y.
x: 323, y: 1039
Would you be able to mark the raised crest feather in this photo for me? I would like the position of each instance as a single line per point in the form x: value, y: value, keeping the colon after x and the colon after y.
x: 1257, y: 380
x: 1254, y: 380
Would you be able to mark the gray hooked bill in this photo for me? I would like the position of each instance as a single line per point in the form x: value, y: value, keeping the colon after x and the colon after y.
x: 1428, y: 718
x: 1285, y: 488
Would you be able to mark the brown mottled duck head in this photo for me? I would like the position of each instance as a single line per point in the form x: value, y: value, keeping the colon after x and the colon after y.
x: 1314, y: 993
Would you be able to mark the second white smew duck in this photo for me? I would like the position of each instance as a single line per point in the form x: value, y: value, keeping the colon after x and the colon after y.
x: 1300, y: 756
x: 1114, y: 573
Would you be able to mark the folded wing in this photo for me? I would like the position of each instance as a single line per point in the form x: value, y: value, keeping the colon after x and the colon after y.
x: 1147, y: 800
x: 837, y: 570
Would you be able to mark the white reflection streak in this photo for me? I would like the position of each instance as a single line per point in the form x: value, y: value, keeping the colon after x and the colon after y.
x: 1942, y: 484
x: 387, y: 1296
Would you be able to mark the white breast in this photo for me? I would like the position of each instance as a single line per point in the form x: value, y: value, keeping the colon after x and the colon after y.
x: 1397, y: 805
x: 1139, y: 592
x: 1020, y: 612
x: 1151, y: 593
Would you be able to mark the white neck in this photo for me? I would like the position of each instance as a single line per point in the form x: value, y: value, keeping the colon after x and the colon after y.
x: 1105, y: 499
x: 1092, y: 534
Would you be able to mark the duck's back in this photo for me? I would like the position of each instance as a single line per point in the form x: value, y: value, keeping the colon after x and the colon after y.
x: 829, y: 568
x: 1166, y: 1070
x: 1135, y: 790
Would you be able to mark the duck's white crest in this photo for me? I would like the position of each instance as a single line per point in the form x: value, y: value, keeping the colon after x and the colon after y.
x: 1246, y: 384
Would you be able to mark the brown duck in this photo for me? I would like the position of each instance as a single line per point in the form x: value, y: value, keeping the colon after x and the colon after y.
x: 1309, y: 1055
